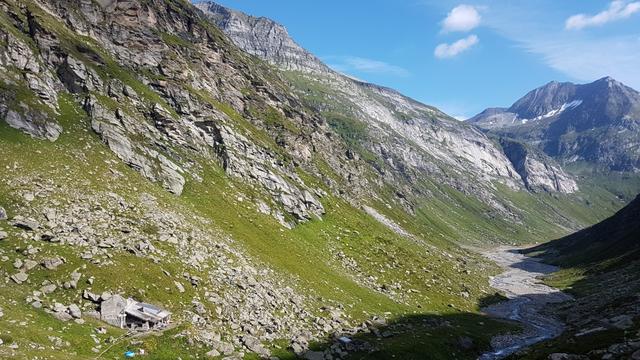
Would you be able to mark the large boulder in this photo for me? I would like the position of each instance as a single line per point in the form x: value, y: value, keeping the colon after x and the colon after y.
x: 111, y: 309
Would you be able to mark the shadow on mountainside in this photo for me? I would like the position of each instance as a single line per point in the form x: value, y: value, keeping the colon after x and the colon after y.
x: 460, y: 335
x: 451, y: 336
x: 604, y: 318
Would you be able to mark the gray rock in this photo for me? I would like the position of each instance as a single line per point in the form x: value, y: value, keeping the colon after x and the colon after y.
x: 314, y: 355
x: 19, y: 277
x: 74, y: 310
x: 3, y: 214
x: 29, y: 264
x: 105, y: 296
x: 213, y: 353
x: 179, y: 286
x: 88, y: 295
x: 48, y: 289
x: 33, y: 126
x: 3, y: 235
x: 62, y: 316
x: 25, y: 223
x: 254, y: 345
x: 111, y: 309
x: 622, y: 322
x: 52, y: 263
x: 558, y: 356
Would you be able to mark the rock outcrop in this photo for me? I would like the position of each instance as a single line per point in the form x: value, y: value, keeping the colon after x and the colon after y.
x: 177, y: 110
x: 539, y: 171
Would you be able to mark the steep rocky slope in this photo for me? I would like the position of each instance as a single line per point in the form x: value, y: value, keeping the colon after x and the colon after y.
x: 418, y: 156
x: 595, y: 123
x: 537, y: 170
x: 262, y: 37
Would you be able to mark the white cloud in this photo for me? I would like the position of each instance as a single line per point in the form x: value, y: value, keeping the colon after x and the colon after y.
x: 461, y: 18
x: 346, y: 64
x: 617, y: 10
x: 444, y: 51
x: 581, y: 56
x: 590, y: 59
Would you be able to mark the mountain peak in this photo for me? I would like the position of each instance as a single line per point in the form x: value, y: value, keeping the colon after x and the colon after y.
x: 545, y: 115
x: 262, y: 37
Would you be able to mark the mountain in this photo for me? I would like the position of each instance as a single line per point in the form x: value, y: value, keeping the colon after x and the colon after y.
x: 596, y: 123
x: 428, y: 140
x: 614, y: 239
x: 147, y: 159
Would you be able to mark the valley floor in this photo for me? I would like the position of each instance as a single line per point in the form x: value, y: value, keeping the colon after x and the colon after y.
x: 527, y: 297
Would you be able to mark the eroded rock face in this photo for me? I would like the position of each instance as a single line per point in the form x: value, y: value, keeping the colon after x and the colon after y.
x: 187, y: 101
x: 34, y: 113
x: 35, y: 126
x: 411, y: 140
x: 116, y: 128
x: 538, y: 171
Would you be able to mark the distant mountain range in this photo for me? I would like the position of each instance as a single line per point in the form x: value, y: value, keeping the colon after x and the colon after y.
x: 596, y: 123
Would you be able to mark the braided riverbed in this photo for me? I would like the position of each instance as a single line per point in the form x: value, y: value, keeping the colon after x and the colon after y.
x: 520, y: 282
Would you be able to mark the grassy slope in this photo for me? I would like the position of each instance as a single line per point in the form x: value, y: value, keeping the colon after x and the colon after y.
x: 79, y: 160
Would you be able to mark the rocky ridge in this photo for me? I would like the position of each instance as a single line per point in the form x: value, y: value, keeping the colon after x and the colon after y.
x: 262, y: 37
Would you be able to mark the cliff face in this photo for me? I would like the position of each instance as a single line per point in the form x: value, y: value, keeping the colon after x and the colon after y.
x: 540, y: 172
x: 178, y: 110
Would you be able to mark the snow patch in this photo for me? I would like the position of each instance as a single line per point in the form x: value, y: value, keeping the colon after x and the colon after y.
x: 570, y: 105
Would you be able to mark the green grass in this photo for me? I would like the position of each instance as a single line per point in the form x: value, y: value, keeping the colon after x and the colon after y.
x: 80, y: 161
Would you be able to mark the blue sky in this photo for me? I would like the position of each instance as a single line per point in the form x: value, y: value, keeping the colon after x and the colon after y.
x: 464, y: 56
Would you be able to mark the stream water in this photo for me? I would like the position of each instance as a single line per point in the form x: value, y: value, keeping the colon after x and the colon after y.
x: 527, y: 297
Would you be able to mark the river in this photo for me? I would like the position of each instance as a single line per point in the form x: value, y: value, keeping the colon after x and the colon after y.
x: 527, y: 297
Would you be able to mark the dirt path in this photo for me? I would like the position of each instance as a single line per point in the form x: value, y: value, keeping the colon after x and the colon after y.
x: 527, y: 297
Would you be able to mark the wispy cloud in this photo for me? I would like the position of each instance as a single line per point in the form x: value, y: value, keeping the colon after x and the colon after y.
x: 617, y: 10
x: 589, y: 59
x: 583, y: 56
x: 461, y: 18
x: 349, y: 64
x: 445, y: 51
